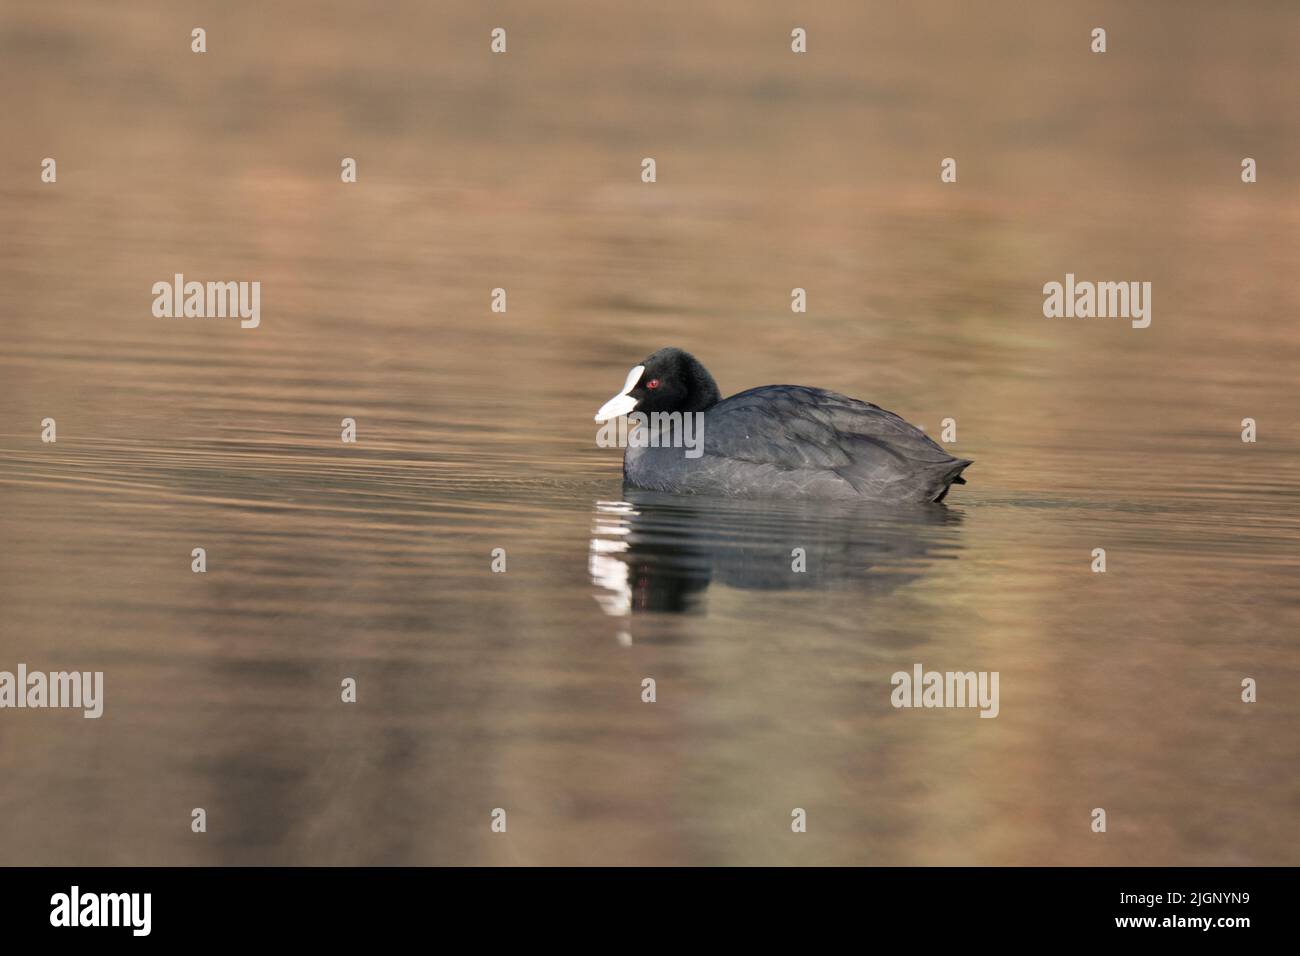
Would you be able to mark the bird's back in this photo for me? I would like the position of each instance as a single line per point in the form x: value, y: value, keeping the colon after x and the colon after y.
x: 796, y: 441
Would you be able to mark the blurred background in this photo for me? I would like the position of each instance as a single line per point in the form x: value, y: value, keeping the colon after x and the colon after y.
x: 522, y: 690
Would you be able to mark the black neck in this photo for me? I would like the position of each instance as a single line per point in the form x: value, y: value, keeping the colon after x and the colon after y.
x: 700, y: 386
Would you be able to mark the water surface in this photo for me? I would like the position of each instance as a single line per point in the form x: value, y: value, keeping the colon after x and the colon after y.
x: 522, y: 689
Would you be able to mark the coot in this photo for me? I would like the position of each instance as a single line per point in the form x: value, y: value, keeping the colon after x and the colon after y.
x: 777, y: 441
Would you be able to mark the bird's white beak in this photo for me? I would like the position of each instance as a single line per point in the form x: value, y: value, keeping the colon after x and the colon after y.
x: 622, y: 403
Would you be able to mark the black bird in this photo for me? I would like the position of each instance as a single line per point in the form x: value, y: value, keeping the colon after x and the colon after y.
x: 776, y: 441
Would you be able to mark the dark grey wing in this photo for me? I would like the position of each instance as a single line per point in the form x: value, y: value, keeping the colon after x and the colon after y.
x: 795, y: 427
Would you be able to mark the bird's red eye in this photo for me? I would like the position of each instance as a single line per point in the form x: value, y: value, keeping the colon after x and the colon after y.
x: 653, y: 383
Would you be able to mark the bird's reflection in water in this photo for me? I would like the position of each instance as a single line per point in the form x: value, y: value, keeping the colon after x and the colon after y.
x: 660, y: 552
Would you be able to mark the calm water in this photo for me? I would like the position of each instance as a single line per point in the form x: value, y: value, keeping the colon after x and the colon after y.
x: 522, y: 690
